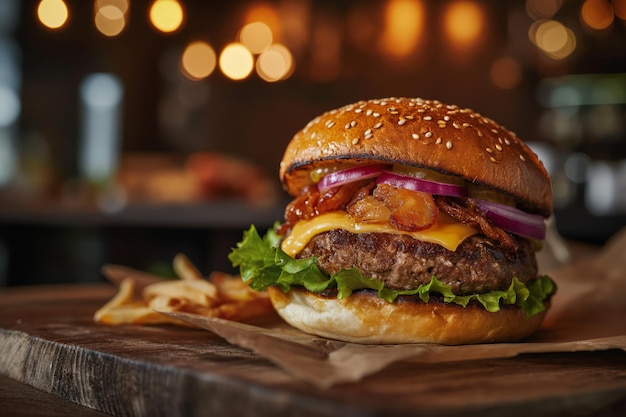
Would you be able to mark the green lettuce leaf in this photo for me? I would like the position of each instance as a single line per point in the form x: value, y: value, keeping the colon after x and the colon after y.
x: 263, y: 263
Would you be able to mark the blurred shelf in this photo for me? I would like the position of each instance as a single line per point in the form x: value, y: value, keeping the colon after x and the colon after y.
x: 577, y: 223
x: 224, y: 214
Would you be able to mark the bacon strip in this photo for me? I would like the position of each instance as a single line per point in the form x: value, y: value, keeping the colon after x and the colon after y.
x: 466, y: 211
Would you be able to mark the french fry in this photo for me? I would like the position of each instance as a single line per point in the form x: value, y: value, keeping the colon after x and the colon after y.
x: 123, y: 296
x: 232, y: 288
x: 186, y: 270
x: 198, y: 292
x: 132, y: 314
x: 222, y: 295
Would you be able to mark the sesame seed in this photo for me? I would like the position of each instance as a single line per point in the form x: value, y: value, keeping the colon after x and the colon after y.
x: 438, y: 141
x: 507, y: 141
x: 494, y: 131
x: 401, y: 121
x: 522, y: 157
x: 456, y: 125
x: 313, y: 135
x: 368, y: 132
x: 428, y: 134
x: 394, y: 112
x: 330, y: 124
x: 368, y: 112
x: 446, y: 118
x: 480, y: 133
x: 442, y: 124
x: 355, y: 141
x: 378, y: 125
x: 376, y: 114
x: 347, y: 126
x: 368, y: 136
x: 492, y: 159
x: 416, y: 136
x: 449, y: 145
x: 428, y: 118
x: 489, y: 150
x: 498, y: 147
x: 409, y: 117
x: 466, y: 124
x: 358, y: 110
x: 353, y: 123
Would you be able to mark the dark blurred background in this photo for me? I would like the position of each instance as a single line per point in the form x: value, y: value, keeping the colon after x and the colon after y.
x: 133, y: 130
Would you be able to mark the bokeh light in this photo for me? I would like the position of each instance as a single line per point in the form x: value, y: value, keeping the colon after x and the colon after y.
x: 52, y: 13
x: 597, y: 14
x: 236, y: 61
x: 10, y: 105
x: 464, y: 22
x: 553, y: 38
x: 167, y: 15
x: 122, y: 5
x: 275, y: 64
x: 256, y: 36
x: 198, y: 60
x: 266, y: 13
x: 404, y: 21
x: 110, y: 16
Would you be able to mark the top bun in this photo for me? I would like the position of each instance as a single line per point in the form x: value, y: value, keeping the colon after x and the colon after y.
x: 421, y: 133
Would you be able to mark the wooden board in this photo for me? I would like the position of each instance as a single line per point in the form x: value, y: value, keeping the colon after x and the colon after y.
x: 47, y: 340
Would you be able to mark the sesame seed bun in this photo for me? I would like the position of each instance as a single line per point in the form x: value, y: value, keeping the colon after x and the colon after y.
x: 351, y: 319
x: 422, y: 133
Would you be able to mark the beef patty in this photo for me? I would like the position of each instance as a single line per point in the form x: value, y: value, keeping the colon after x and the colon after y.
x: 403, y: 263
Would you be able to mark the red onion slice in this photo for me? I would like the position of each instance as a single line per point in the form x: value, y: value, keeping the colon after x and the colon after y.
x: 514, y: 220
x: 349, y: 175
x: 419, y: 184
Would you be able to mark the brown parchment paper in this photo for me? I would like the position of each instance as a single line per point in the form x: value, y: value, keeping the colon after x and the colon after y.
x: 588, y: 313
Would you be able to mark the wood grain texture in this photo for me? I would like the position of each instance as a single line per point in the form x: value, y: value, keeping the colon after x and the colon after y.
x: 21, y: 400
x: 48, y: 341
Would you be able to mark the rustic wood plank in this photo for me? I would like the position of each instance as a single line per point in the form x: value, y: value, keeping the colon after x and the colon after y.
x: 47, y: 340
x: 21, y: 400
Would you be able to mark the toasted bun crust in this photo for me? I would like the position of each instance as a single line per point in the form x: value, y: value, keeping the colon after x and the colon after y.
x: 365, y: 318
x: 421, y: 133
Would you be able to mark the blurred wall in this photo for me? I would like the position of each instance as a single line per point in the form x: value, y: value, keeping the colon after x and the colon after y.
x: 551, y: 70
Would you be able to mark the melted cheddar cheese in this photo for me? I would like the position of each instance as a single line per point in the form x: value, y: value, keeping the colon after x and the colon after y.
x: 446, y: 232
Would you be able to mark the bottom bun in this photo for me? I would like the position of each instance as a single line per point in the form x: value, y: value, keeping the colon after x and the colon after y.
x: 365, y: 318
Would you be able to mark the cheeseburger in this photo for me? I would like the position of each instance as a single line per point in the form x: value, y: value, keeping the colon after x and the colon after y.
x: 412, y: 221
